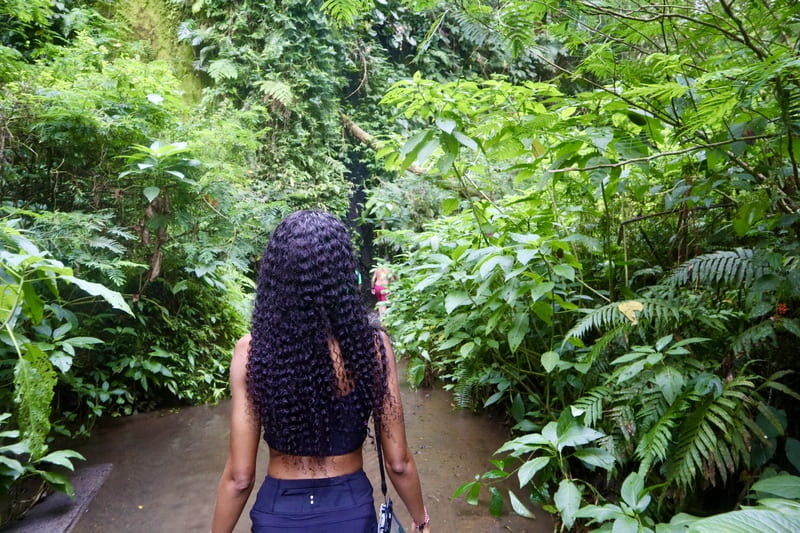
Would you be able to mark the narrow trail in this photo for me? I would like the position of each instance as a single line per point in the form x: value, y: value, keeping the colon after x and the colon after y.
x: 166, y: 466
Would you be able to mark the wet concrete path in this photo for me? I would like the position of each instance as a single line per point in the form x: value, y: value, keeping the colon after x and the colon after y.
x: 166, y: 466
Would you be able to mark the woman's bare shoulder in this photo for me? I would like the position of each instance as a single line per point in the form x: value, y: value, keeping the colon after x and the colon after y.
x: 241, y: 353
x: 242, y: 345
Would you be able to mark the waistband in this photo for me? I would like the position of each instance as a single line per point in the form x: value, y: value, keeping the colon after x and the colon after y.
x: 314, y: 482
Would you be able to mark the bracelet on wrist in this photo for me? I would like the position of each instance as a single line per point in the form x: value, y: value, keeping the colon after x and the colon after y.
x: 425, y: 522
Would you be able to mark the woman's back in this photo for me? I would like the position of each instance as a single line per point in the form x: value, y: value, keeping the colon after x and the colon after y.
x: 311, y: 372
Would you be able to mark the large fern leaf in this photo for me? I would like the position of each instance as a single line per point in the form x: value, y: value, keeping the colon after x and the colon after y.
x: 712, y: 439
x: 344, y: 12
x: 276, y: 91
x: 222, y: 69
x: 656, y: 310
x: 734, y: 267
x: 747, y: 340
x: 591, y: 404
x: 655, y: 443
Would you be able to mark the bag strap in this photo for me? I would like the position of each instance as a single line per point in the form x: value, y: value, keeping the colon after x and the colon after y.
x: 378, y: 437
x: 380, y: 456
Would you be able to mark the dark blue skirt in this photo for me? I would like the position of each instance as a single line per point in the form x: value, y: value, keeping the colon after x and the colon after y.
x: 341, y: 504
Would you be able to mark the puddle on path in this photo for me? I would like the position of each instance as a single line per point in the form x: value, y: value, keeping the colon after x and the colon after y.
x: 166, y: 466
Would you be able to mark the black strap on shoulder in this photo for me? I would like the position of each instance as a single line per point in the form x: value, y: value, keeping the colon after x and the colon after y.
x: 376, y: 423
x: 380, y: 456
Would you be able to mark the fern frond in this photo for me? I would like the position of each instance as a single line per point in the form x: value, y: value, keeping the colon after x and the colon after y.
x: 735, y: 267
x: 276, y: 91
x: 710, y: 441
x: 655, y: 443
x: 473, y: 24
x: 344, y: 12
x: 623, y: 416
x: 518, y: 23
x: 750, y: 338
x: 222, y: 69
x: 593, y: 358
x: 591, y: 404
x: 599, y: 318
x: 660, y: 313
x: 653, y: 405
x: 465, y: 394
x: 106, y: 243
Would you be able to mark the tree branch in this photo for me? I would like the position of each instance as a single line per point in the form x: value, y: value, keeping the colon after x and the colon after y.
x: 665, y: 154
x: 370, y: 141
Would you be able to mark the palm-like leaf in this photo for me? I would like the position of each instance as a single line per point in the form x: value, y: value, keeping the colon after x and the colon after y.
x: 711, y: 440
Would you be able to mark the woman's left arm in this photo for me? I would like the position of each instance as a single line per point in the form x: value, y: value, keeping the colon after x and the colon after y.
x: 397, y: 457
x: 239, y: 474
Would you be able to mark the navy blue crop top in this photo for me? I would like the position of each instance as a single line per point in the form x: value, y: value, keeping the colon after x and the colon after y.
x: 348, y: 430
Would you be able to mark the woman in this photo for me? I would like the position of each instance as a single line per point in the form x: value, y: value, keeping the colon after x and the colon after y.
x: 311, y: 373
x: 380, y: 286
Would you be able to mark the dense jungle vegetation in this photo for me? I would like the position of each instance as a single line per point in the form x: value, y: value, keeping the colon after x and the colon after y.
x: 591, y: 207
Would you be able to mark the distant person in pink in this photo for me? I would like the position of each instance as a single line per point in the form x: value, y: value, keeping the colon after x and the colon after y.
x: 380, y: 286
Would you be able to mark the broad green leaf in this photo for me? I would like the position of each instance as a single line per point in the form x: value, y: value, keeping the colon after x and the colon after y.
x: 449, y: 205
x: 83, y: 342
x: 32, y: 304
x: 524, y: 255
x: 550, y: 360
x: 464, y: 140
x: 567, y: 499
x: 578, y: 435
x: 466, y: 487
x: 630, y: 371
x: 596, y: 457
x: 151, y: 193
x: 430, y: 280
x: 58, y: 481
x: 13, y: 466
x: 503, y: 261
x: 427, y: 149
x: 792, y: 325
x: 540, y: 289
x: 663, y: 342
x: 445, y: 124
x: 518, y: 408
x: 625, y: 524
x: 747, y: 521
x: 61, y: 360
x: 518, y: 506
x: 473, y: 494
x: 670, y: 382
x: 550, y: 433
x: 632, y: 492
x: 535, y: 440
x: 530, y: 468
x: 519, y: 328
x: 783, y: 486
x: 455, y: 300
x: 413, y: 145
x: 95, y: 289
x: 793, y: 452
x: 565, y: 271
x: 496, y: 503
x: 62, y: 458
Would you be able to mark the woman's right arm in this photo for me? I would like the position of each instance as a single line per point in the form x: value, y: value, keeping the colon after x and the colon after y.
x: 239, y: 474
x: 397, y: 458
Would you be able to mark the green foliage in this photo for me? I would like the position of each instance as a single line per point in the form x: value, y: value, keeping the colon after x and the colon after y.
x: 32, y: 350
x: 665, y: 143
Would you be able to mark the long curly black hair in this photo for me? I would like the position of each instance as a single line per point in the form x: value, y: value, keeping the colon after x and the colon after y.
x: 308, y: 300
